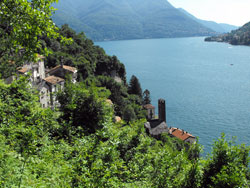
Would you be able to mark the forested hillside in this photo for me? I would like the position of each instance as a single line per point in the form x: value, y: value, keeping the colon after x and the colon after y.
x: 80, y: 144
x: 240, y: 36
x: 95, y: 67
x: 41, y: 148
x: 127, y: 19
x: 218, y: 27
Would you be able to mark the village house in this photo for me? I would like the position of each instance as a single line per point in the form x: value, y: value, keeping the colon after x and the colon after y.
x: 62, y: 71
x: 49, y: 86
x: 182, y: 135
x: 36, y: 70
x: 150, y: 111
x: 46, y: 82
x: 155, y: 127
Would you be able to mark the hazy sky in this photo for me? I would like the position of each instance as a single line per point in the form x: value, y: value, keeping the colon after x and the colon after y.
x: 236, y: 12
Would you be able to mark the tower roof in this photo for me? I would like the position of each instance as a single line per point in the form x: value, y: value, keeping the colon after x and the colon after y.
x: 53, y: 80
x: 148, y: 106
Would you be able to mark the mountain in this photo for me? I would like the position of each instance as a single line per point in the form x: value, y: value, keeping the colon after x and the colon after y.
x: 218, y: 27
x: 127, y: 19
x: 240, y: 36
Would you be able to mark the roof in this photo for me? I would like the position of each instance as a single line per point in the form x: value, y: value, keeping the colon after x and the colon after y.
x: 118, y: 119
x: 53, y: 80
x: 156, y: 127
x: 149, y: 106
x: 68, y: 68
x: 181, y: 134
x: 23, y: 70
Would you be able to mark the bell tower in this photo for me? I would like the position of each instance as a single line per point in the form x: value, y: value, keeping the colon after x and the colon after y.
x: 162, y: 110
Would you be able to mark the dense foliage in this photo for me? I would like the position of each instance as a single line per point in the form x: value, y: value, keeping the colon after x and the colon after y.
x: 80, y: 145
x: 22, y: 23
x: 38, y: 149
x: 240, y: 36
x: 134, y: 86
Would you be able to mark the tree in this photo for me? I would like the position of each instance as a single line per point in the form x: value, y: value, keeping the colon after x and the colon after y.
x: 22, y: 22
x: 129, y: 113
x: 227, y: 166
x: 83, y: 109
x: 146, y: 97
x: 118, y: 92
x: 134, y: 86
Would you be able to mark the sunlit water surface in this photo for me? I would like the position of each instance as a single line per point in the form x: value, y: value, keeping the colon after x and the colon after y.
x: 206, y: 85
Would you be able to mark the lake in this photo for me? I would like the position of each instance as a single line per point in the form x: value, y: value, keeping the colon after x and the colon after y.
x: 206, y: 85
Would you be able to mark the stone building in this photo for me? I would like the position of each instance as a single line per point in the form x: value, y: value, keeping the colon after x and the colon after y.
x: 150, y: 111
x: 155, y: 127
x: 37, y: 71
x: 44, y: 94
x: 49, y: 86
x: 47, y: 83
x: 62, y: 71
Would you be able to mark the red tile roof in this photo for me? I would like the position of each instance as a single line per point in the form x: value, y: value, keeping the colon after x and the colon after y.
x: 181, y: 134
x: 69, y: 68
x: 23, y: 70
x: 53, y: 80
x: 149, y: 106
x: 72, y: 69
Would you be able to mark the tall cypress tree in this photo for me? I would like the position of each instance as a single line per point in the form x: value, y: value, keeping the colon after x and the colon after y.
x: 146, y: 97
x: 135, y: 86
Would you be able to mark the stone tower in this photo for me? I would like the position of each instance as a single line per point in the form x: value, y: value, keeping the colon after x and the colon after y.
x: 162, y: 110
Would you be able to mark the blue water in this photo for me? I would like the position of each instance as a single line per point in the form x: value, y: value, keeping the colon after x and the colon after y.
x: 206, y: 85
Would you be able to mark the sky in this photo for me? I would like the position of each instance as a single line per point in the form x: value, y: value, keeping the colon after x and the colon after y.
x: 235, y: 12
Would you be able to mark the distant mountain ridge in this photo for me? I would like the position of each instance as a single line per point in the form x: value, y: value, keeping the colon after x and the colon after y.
x: 127, y: 19
x: 240, y: 36
x: 218, y: 27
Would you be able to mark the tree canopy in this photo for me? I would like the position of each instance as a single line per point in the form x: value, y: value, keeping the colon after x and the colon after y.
x: 146, y: 97
x: 135, y: 86
x: 38, y: 149
x: 21, y: 25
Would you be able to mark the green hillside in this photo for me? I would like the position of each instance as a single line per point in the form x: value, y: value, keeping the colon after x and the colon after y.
x: 218, y: 27
x: 80, y: 143
x: 240, y: 36
x: 127, y: 19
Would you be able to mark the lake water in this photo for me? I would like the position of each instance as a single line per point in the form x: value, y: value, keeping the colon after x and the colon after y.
x: 206, y: 85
